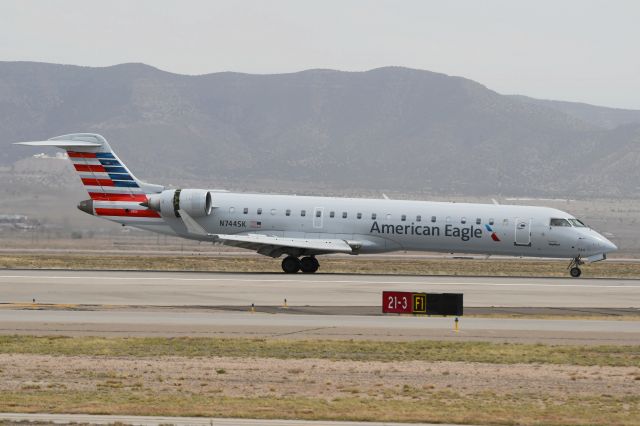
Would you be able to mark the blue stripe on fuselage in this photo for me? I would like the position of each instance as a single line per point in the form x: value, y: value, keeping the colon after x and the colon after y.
x: 110, y: 163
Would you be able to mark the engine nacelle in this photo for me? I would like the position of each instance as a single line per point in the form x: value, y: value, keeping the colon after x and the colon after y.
x: 196, y: 202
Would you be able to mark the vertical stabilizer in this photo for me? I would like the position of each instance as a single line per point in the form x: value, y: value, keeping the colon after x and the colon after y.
x: 115, y: 192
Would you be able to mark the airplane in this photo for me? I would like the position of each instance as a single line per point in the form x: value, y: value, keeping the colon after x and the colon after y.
x: 301, y: 228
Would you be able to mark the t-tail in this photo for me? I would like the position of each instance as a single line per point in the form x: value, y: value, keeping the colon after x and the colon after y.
x: 115, y: 193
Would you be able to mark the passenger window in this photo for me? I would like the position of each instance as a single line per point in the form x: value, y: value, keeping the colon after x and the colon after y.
x: 463, y: 220
x: 287, y: 212
x: 559, y: 222
x: 403, y: 217
x: 332, y: 214
x: 246, y: 210
x: 505, y: 222
x: 433, y: 219
x: 303, y: 213
x: 418, y: 218
x: 359, y: 215
x: 344, y: 215
x: 478, y: 221
x: 491, y: 221
x: 260, y: 210
x: 373, y: 216
x: 388, y: 216
x: 318, y: 213
x: 232, y: 210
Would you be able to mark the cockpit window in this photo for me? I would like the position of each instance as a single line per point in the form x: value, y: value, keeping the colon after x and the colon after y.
x: 577, y: 223
x: 559, y: 222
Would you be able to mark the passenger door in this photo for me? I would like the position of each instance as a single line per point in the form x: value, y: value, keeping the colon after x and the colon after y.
x: 318, y: 214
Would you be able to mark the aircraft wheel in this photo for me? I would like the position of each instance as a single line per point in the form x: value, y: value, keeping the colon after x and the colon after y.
x: 575, y: 272
x: 290, y: 265
x: 309, y: 264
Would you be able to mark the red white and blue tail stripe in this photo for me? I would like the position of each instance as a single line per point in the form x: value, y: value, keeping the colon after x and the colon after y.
x: 115, y: 192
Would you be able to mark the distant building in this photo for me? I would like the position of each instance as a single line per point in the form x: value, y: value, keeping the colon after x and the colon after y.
x: 17, y: 221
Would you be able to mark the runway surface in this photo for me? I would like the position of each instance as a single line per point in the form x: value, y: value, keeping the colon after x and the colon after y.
x: 180, y: 288
x: 179, y: 304
x: 246, y: 324
x: 180, y: 421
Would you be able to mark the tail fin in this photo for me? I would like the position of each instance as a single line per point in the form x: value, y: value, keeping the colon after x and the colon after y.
x: 110, y: 184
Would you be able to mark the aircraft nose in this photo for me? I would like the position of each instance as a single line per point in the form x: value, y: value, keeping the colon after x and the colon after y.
x: 608, y: 246
x: 604, y: 245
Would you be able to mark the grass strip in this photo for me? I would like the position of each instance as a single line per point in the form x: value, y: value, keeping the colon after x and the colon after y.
x: 435, y: 407
x: 411, y: 266
x: 426, y: 350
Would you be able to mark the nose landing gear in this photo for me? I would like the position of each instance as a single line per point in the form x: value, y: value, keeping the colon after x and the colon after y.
x: 574, y: 267
x: 308, y: 264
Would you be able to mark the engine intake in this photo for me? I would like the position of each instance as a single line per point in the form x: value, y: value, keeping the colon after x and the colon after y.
x: 196, y: 202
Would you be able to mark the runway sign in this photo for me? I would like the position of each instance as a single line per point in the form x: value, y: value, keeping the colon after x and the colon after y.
x: 404, y: 302
x: 397, y: 302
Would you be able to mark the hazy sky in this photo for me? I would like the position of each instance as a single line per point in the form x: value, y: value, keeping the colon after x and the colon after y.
x: 561, y: 49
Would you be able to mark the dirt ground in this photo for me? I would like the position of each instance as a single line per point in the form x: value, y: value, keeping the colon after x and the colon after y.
x: 246, y: 377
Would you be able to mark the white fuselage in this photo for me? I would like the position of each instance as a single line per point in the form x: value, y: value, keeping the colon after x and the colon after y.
x: 381, y: 225
x: 303, y: 227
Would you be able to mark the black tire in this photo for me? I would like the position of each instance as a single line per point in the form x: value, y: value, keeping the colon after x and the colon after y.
x: 309, y: 264
x: 575, y: 272
x: 290, y: 265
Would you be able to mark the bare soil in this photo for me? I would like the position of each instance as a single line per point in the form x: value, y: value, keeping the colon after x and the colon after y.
x: 250, y: 377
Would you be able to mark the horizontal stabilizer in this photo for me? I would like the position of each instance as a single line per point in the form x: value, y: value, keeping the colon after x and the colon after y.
x: 61, y: 144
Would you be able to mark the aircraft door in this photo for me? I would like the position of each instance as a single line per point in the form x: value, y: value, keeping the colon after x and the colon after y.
x: 523, y: 232
x: 318, y: 214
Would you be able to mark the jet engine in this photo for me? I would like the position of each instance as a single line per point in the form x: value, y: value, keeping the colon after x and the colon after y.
x: 196, y: 202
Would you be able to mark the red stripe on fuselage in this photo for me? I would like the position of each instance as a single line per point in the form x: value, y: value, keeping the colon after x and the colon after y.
x: 89, y: 168
x: 126, y: 212
x: 98, y: 182
x: 74, y: 154
x: 105, y: 196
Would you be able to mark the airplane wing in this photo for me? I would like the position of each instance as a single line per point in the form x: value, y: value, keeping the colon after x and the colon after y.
x: 269, y: 245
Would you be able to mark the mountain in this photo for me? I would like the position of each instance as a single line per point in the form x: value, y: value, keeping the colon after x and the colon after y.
x: 386, y: 129
x: 607, y: 118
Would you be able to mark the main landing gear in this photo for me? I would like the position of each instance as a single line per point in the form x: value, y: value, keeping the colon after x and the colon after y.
x: 308, y: 264
x: 574, y: 267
